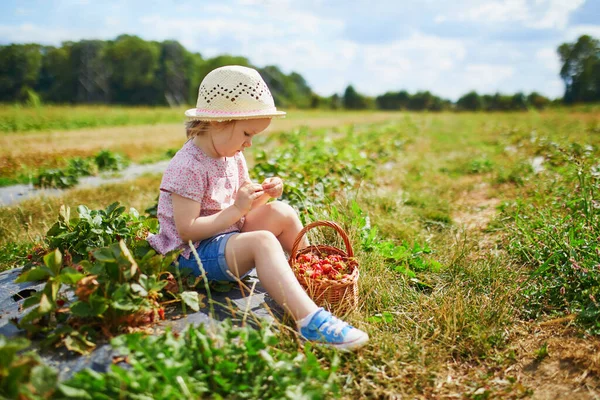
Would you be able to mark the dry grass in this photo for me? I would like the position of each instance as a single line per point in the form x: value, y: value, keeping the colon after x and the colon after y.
x: 49, y: 149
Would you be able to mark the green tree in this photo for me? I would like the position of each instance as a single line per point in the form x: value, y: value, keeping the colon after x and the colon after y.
x: 581, y: 69
x: 287, y: 90
x: 519, y: 102
x: 134, y: 64
x: 538, y: 101
x: 194, y: 68
x: 55, y: 83
x: 90, y: 71
x: 20, y: 66
x: 173, y: 82
x: 353, y: 100
x: 470, y: 102
x: 335, y: 103
x: 421, y: 101
x: 393, y: 100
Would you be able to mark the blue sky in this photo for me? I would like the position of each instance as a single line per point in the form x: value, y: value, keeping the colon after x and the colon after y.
x: 446, y: 47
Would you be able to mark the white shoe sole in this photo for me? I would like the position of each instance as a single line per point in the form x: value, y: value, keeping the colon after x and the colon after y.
x: 347, y: 346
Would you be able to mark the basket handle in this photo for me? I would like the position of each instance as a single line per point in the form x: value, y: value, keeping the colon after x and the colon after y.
x: 330, y: 224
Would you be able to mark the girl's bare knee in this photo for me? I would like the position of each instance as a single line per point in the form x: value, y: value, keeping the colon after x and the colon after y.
x: 282, y: 210
x: 264, y: 240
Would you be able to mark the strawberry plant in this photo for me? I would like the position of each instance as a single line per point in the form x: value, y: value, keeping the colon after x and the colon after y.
x: 113, y: 292
x: 56, y: 178
x: 24, y: 376
x: 98, y: 228
x: 67, y: 177
x: 314, y: 172
x: 225, y: 362
x: 109, y: 161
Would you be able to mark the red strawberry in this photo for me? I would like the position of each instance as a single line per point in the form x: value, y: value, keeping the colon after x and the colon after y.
x: 336, y: 276
x: 326, y: 268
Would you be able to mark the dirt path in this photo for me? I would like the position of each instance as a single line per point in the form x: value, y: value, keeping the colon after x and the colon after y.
x: 137, y: 142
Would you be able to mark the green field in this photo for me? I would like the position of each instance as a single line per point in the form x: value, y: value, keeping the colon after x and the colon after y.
x: 477, y: 237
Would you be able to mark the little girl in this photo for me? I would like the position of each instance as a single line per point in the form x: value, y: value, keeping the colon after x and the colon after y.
x: 206, y: 196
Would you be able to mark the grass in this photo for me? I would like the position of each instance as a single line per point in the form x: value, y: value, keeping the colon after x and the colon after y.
x: 448, y: 321
x: 19, y: 119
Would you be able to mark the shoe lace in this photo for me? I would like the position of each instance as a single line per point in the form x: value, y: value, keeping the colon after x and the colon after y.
x: 333, y: 325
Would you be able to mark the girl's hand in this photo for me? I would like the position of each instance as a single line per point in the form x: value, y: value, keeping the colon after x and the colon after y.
x: 273, y: 187
x: 246, y: 195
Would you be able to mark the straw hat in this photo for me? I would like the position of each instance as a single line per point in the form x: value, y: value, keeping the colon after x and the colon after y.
x: 233, y: 92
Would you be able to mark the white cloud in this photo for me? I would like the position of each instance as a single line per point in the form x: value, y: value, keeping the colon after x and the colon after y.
x: 538, y: 14
x: 30, y: 33
x: 548, y: 59
x: 485, y: 78
x: 302, y: 37
x: 419, y: 58
x: 554, y: 13
x: 573, y: 32
x: 496, y: 11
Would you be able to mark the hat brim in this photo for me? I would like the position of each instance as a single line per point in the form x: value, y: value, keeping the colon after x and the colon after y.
x: 193, y: 115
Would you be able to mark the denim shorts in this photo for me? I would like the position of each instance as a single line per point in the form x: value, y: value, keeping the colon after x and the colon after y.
x: 212, y: 255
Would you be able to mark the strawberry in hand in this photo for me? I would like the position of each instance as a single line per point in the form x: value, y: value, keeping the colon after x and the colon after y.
x: 273, y: 187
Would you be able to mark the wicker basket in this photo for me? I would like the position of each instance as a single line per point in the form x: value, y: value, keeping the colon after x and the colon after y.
x: 340, y: 296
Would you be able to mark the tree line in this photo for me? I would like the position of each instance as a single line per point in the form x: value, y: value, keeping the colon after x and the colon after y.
x: 131, y: 71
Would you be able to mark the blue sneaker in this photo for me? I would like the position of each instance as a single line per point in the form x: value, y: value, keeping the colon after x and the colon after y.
x: 326, y: 329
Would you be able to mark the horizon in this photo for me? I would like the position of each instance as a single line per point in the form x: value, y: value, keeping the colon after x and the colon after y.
x: 504, y: 46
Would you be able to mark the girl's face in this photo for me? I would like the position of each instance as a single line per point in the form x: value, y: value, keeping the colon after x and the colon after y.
x: 235, y: 137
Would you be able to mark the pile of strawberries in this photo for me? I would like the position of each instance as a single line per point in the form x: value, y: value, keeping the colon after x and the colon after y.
x: 330, y: 266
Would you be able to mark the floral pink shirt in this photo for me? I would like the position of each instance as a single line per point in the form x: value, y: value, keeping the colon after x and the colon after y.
x: 194, y: 175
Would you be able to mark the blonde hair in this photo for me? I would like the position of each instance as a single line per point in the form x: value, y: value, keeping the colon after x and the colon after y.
x: 197, y: 128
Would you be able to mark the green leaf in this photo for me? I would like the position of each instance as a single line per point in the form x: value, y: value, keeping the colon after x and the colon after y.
x: 78, y: 343
x: 45, y: 304
x: 191, y: 299
x: 105, y: 255
x: 32, y: 300
x: 70, y: 276
x: 43, y: 379
x: 95, y: 306
x: 83, y: 211
x: 385, y: 316
x: 134, y: 213
x: 64, y: 214
x: 137, y: 288
x: 8, y: 349
x: 53, y: 261
x: 34, y: 274
x: 51, y: 289
x: 73, y: 392
x: 221, y: 286
x: 56, y: 229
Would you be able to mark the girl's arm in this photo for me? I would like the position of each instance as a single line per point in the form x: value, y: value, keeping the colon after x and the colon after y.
x: 192, y: 227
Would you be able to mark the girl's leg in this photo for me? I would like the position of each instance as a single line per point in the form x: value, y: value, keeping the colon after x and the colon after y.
x: 261, y: 249
x: 278, y: 218
x: 277, y: 227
